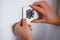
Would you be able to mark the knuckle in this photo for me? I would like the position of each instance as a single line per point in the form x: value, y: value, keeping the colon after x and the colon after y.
x: 14, y: 26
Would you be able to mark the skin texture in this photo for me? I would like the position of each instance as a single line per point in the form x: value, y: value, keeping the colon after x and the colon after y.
x: 23, y: 30
x: 48, y: 15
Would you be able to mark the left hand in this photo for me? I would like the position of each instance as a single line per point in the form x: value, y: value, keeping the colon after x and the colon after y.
x: 23, y: 30
x: 48, y: 14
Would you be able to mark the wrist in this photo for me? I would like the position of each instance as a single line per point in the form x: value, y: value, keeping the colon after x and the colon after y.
x: 28, y: 38
x: 57, y: 22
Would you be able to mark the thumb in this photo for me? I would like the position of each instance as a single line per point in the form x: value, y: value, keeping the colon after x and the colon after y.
x: 24, y: 22
x: 39, y: 21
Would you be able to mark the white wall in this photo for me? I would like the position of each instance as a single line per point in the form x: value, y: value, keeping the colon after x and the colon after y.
x: 10, y: 12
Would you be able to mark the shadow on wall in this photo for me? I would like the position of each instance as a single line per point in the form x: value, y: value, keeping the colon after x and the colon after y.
x: 58, y: 10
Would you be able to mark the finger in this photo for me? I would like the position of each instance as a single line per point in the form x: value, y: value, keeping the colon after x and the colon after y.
x: 48, y: 7
x: 36, y: 3
x: 13, y: 27
x: 38, y: 9
x: 16, y: 26
x: 21, y: 23
x: 30, y: 27
x: 39, y: 21
x: 24, y: 22
x: 40, y: 4
x: 46, y: 3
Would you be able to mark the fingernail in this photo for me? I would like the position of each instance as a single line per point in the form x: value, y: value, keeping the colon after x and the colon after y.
x: 30, y: 5
x: 32, y: 21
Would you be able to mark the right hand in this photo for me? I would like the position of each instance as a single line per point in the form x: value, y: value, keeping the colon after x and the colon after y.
x: 23, y: 30
x: 49, y: 16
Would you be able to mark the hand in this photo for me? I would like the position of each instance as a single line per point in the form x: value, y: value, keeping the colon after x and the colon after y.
x: 23, y: 30
x: 49, y: 16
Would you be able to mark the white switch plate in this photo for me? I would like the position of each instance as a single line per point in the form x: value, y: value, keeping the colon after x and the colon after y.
x: 35, y: 14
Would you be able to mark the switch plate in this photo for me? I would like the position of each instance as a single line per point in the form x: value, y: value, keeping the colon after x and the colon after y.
x: 29, y: 14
